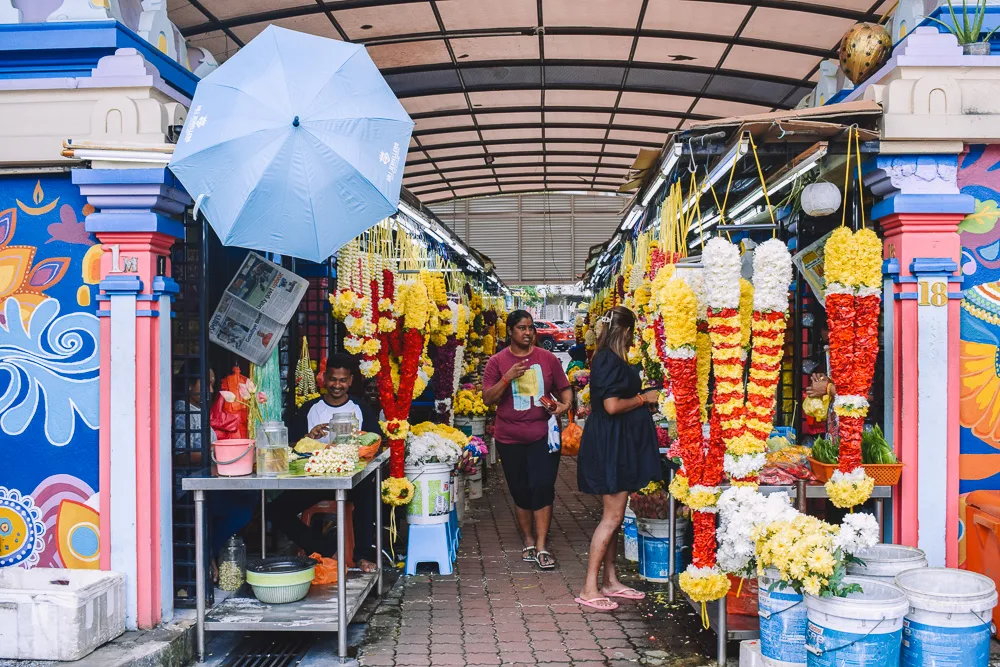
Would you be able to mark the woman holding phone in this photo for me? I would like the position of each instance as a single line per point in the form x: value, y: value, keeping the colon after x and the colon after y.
x: 618, y: 452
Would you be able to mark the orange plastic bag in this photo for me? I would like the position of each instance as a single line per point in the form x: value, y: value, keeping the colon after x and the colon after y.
x: 571, y: 437
x: 326, y: 570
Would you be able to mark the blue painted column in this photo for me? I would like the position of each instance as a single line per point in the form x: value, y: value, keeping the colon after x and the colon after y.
x: 136, y: 222
x: 919, y: 210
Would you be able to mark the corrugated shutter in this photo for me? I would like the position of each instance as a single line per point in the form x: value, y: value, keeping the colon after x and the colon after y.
x: 534, y: 238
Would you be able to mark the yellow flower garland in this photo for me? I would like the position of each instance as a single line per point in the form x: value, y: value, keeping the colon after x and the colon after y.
x: 679, y: 488
x: 746, y: 312
x: 705, y: 588
x: 678, y: 306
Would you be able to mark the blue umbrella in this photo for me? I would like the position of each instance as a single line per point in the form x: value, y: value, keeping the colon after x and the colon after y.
x: 295, y: 145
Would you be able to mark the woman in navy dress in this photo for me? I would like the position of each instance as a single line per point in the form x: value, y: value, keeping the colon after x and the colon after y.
x: 618, y: 452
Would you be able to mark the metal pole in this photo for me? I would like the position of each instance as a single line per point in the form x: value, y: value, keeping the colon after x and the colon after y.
x: 378, y: 529
x: 880, y: 518
x: 800, y: 495
x: 341, y: 578
x: 263, y: 524
x: 723, y: 634
x: 199, y: 568
x: 671, y: 565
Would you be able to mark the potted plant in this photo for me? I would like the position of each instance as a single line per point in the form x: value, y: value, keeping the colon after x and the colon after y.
x: 968, y: 32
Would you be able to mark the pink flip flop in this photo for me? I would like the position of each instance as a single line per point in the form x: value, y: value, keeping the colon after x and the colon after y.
x: 628, y: 594
x: 593, y: 604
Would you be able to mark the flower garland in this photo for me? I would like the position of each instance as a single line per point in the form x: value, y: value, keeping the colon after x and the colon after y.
x: 852, y: 268
x: 697, y: 484
x: 772, y: 272
x: 350, y: 307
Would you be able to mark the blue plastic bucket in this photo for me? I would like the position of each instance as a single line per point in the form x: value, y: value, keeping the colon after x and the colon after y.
x: 949, y: 617
x: 631, y: 536
x: 654, y: 545
x: 863, y: 629
x: 782, y: 615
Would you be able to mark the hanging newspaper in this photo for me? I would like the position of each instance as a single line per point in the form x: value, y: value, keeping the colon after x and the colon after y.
x: 810, y: 264
x: 255, y: 308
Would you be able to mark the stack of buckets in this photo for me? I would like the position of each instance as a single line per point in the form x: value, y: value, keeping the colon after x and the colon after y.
x: 907, y: 615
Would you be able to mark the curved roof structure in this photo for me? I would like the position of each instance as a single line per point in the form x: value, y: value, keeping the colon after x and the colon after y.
x: 527, y: 95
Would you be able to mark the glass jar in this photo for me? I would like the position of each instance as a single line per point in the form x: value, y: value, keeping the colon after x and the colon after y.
x: 272, y: 449
x: 233, y: 564
x: 344, y: 428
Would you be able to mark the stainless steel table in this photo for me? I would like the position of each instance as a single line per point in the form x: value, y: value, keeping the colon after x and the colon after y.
x: 744, y: 627
x: 242, y: 612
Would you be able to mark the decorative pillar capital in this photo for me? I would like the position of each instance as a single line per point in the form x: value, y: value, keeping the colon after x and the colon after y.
x: 916, y: 184
x: 133, y: 200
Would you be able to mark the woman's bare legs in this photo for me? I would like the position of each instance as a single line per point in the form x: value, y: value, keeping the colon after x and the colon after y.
x: 602, y: 545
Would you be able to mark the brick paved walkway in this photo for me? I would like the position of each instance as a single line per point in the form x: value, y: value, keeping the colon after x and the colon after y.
x: 498, y: 610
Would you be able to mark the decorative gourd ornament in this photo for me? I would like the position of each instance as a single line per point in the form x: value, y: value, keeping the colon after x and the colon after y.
x: 820, y: 198
x: 863, y: 50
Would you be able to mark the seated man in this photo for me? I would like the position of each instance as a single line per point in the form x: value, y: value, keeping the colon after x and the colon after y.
x: 313, y: 420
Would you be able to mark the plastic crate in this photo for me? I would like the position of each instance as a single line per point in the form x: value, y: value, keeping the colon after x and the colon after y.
x: 887, y: 474
x: 53, y: 614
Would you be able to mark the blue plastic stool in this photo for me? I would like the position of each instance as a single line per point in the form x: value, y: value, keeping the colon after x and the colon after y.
x: 430, y: 543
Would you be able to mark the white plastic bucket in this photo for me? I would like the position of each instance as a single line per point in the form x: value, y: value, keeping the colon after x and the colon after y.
x: 631, y: 536
x: 653, y: 546
x: 463, y: 424
x: 476, y: 484
x: 949, y: 618
x: 431, y: 493
x: 478, y: 426
x: 783, y: 624
x: 885, y: 561
x: 864, y: 628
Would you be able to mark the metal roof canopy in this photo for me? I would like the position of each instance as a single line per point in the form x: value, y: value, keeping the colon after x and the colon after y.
x: 529, y: 95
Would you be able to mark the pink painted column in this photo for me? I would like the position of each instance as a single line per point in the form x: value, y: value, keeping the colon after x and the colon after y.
x: 919, y: 215
x: 136, y: 230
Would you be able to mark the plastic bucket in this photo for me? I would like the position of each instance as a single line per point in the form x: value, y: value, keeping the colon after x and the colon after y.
x: 885, y: 561
x: 864, y: 628
x: 431, y: 493
x: 476, y: 484
x: 233, y: 457
x: 653, y: 546
x: 631, y: 536
x: 463, y: 424
x: 949, y: 617
x: 478, y: 426
x: 783, y: 623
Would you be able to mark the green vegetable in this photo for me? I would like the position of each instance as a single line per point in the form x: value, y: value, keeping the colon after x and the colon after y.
x: 825, y: 450
x: 875, y: 450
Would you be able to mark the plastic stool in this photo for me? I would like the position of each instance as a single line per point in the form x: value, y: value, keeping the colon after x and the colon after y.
x: 429, y: 543
x: 329, y: 508
x: 455, y: 534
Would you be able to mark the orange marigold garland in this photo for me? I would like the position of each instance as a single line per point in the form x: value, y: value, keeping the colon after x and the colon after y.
x: 853, y: 271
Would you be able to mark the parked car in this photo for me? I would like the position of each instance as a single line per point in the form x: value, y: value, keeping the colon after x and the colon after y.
x: 552, y: 337
x: 562, y: 324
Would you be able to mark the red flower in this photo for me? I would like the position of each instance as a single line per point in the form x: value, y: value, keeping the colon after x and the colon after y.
x: 850, y: 442
x: 703, y: 551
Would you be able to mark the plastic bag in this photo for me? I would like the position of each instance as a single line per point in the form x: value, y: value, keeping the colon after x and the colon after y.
x: 571, y: 437
x: 555, y: 442
x: 325, y: 571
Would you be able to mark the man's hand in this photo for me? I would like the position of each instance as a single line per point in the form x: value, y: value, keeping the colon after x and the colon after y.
x: 515, y: 371
x: 319, y: 431
x: 819, y: 386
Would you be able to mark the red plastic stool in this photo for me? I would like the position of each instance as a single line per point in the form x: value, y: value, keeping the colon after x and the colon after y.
x: 329, y: 508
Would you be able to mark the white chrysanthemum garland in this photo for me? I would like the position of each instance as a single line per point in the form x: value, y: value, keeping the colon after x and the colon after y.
x: 741, y: 510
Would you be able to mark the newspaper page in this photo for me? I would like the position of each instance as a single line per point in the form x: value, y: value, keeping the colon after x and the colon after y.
x: 810, y: 263
x: 255, y: 308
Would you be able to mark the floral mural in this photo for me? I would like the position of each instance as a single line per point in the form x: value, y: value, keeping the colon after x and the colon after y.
x: 49, y: 376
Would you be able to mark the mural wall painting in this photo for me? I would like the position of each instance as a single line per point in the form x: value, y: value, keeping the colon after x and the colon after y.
x: 49, y: 376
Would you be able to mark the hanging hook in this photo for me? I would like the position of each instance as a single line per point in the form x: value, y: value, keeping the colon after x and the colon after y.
x: 692, y: 165
x: 781, y: 129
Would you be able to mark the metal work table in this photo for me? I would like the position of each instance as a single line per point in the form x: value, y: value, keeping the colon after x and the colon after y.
x: 321, y: 609
x: 737, y: 628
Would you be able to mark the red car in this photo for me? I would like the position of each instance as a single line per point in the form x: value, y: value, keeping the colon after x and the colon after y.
x: 551, y: 337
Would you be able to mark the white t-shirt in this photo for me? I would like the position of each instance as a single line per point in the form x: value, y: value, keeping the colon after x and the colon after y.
x: 323, y: 412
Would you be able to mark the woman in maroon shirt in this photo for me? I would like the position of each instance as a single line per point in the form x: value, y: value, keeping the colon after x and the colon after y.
x: 516, y: 380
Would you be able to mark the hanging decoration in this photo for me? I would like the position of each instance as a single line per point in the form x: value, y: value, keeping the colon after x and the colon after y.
x: 305, y: 377
x: 819, y: 199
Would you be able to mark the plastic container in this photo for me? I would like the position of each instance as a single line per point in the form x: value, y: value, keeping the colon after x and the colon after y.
x: 233, y: 564
x: 863, y: 628
x: 948, y: 622
x: 233, y: 457
x: 654, y: 546
x: 272, y: 449
x: 431, y: 502
x: 478, y: 426
x: 885, y: 561
x: 55, y: 614
x: 631, y: 536
x: 783, y: 623
x: 742, y: 596
x: 463, y: 424
x: 282, y: 579
x: 982, y: 542
x: 476, y: 484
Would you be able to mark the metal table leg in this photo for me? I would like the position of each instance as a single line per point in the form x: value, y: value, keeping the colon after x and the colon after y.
x: 723, y: 636
x: 341, y: 577
x: 800, y: 495
x: 263, y: 524
x: 671, y: 564
x: 199, y: 569
x: 880, y: 518
x: 378, y: 530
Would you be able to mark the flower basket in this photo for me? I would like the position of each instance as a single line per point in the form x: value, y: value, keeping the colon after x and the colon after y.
x: 887, y: 474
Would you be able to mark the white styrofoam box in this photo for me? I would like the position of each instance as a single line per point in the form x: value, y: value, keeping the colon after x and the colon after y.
x: 53, y: 614
x: 750, y: 655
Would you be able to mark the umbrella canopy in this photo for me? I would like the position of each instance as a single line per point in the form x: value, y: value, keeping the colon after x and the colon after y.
x: 295, y: 145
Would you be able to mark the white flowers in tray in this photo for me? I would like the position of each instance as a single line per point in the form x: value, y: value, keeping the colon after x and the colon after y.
x: 336, y: 460
x: 431, y: 447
